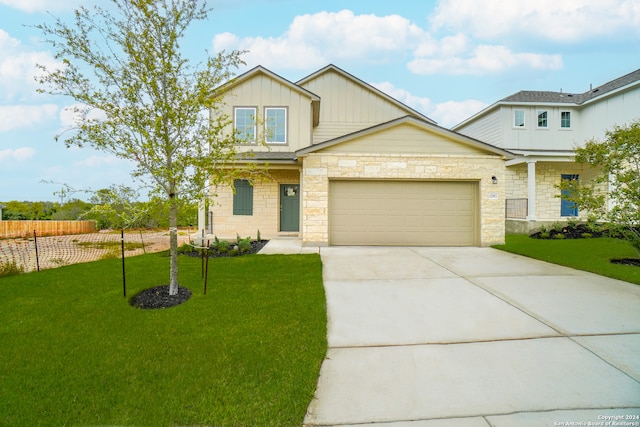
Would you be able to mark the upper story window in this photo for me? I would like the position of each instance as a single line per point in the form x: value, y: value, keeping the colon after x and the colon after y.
x: 518, y: 118
x: 565, y: 119
x: 276, y: 125
x: 543, y: 119
x: 245, y: 123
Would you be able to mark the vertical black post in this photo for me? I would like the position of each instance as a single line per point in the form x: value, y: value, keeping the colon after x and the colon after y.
x: 202, y: 262
x: 35, y: 241
x: 206, y: 271
x: 124, y: 280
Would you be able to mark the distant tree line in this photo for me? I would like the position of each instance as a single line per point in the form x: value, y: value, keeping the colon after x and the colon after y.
x: 110, y: 209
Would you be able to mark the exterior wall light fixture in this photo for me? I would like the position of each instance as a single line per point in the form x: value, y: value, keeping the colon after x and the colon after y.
x: 494, y: 179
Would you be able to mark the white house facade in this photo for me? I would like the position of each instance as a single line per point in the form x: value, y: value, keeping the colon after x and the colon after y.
x: 543, y: 129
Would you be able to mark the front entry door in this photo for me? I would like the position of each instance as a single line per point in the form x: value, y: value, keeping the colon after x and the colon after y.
x: 289, y: 207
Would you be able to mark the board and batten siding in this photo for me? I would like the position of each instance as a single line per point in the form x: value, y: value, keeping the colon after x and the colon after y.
x: 261, y: 92
x: 487, y: 129
x: 347, y: 107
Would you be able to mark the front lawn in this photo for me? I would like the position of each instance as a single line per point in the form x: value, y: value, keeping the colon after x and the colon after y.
x: 592, y: 255
x: 248, y: 353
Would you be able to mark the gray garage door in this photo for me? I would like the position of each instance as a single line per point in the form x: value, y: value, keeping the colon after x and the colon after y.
x: 397, y: 213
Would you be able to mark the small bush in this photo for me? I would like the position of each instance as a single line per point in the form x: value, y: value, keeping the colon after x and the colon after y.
x: 244, y: 245
x: 545, y: 235
x: 222, y: 246
x: 587, y: 235
x: 558, y: 236
x: 10, y: 268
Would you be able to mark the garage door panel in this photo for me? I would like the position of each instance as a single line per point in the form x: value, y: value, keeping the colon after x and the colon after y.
x: 414, y: 213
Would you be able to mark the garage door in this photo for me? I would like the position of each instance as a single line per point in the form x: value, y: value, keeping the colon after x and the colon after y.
x: 415, y: 213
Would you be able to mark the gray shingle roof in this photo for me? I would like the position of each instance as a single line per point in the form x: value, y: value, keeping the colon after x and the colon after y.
x: 573, y: 98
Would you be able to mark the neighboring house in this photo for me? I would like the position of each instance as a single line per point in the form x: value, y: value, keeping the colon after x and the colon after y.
x: 349, y: 165
x: 543, y: 129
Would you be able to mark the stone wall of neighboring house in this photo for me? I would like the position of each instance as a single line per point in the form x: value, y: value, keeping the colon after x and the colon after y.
x: 320, y: 167
x: 548, y: 175
x: 266, y: 208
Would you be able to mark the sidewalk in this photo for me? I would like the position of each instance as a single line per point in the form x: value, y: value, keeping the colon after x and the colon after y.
x: 288, y: 245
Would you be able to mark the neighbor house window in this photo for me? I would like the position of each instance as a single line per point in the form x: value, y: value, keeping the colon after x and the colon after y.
x: 245, y: 124
x: 276, y: 125
x: 543, y: 119
x: 518, y: 118
x: 565, y: 119
x: 243, y: 197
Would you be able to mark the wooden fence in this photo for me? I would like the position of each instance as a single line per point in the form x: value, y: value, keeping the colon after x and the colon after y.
x: 25, y: 228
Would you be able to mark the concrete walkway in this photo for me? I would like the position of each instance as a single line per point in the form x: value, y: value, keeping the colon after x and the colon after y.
x: 430, y: 337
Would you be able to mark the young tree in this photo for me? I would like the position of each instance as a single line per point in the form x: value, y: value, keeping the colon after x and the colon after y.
x: 140, y: 99
x: 614, y: 195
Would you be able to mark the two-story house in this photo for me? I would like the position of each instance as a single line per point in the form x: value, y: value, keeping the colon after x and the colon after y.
x: 349, y: 165
x: 543, y: 129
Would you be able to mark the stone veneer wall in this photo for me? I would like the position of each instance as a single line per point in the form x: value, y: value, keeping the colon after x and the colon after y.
x: 547, y: 178
x: 266, y: 208
x: 319, y: 168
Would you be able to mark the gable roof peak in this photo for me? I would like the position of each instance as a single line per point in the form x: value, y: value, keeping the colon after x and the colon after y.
x: 340, y: 71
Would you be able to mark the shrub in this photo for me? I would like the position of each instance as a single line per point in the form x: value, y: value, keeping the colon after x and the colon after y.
x: 244, y: 245
x: 10, y: 268
x: 558, y: 236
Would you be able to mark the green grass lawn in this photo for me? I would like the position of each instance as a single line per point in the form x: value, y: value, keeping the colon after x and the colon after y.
x: 74, y: 352
x: 592, y: 255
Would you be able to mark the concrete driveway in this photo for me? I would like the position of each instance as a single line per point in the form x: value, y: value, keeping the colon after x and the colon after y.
x: 427, y: 337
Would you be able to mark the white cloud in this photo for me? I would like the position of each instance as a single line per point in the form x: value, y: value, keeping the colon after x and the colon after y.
x: 446, y: 114
x: 31, y: 6
x: 451, y: 113
x: 25, y: 116
x: 423, y: 105
x: 315, y: 40
x: 483, y: 59
x: 18, y: 154
x: 71, y: 116
x: 18, y: 67
x: 563, y: 21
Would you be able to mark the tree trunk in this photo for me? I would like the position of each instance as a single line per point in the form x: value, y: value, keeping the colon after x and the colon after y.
x: 173, y: 247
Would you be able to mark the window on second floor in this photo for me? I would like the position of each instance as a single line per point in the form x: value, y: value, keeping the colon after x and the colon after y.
x: 565, y: 119
x: 518, y: 118
x: 245, y: 123
x: 276, y: 125
x: 543, y: 119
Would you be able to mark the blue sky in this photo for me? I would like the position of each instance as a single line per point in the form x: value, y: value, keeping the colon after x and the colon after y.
x: 446, y: 58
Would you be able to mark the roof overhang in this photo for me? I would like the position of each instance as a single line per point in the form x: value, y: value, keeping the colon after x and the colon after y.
x: 532, y: 156
x: 417, y: 122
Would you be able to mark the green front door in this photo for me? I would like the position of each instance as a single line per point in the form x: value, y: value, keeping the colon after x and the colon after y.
x: 289, y: 207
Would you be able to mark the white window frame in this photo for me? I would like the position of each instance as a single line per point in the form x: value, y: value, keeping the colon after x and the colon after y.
x: 515, y: 117
x: 269, y: 138
x: 240, y: 133
x: 546, y: 119
x: 562, y: 120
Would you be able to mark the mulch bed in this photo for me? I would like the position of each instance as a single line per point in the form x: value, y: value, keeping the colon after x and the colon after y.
x: 255, y: 248
x: 627, y: 261
x: 158, y: 297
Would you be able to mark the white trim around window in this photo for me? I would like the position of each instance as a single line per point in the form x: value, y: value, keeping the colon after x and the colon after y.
x: 244, y: 124
x: 275, y: 124
x: 543, y: 119
x: 518, y: 119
